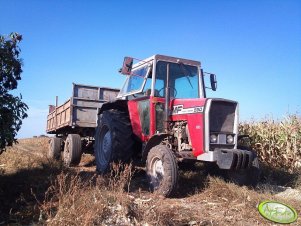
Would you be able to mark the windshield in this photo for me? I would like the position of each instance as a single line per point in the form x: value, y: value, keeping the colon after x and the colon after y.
x: 134, y: 81
x: 183, y: 81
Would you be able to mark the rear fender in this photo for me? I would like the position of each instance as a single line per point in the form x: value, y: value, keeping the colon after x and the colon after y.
x: 120, y: 105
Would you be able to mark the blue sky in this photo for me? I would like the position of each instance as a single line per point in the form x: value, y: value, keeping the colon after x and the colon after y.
x: 254, y: 48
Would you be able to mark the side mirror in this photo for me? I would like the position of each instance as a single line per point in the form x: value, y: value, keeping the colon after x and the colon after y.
x: 127, y: 66
x: 213, y: 82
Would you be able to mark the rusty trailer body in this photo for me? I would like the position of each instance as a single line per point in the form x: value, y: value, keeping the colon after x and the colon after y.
x: 79, y: 113
x: 74, y: 121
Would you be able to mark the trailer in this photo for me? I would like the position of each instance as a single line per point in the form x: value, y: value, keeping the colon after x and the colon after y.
x: 74, y: 122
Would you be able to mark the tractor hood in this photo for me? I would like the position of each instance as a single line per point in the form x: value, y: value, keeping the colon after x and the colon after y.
x: 204, y: 116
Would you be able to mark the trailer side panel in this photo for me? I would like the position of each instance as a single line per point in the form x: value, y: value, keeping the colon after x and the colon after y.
x: 80, y: 110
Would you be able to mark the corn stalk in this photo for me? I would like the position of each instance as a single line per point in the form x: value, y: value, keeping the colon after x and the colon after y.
x: 278, y: 143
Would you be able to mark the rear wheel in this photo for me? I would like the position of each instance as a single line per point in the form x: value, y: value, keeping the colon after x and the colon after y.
x: 72, y: 150
x: 248, y: 177
x: 113, y: 139
x: 55, y: 146
x: 162, y: 170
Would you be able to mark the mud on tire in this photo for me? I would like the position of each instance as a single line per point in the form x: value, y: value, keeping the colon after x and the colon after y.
x: 162, y: 170
x: 113, y: 139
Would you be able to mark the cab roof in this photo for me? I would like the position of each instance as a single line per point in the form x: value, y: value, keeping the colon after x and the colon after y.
x: 159, y: 57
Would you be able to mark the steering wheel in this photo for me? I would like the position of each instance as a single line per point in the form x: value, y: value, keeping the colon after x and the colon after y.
x: 162, y: 89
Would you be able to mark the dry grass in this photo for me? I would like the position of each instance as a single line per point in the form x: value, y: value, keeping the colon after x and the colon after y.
x: 28, y: 154
x: 87, y: 198
x: 96, y: 200
x: 24, y: 170
x: 35, y: 190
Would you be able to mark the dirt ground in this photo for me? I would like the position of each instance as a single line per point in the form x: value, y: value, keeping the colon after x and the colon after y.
x: 37, y: 191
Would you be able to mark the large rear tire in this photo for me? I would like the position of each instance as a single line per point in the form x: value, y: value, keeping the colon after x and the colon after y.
x: 55, y: 147
x: 162, y: 170
x: 72, y: 150
x: 113, y: 139
x: 248, y: 177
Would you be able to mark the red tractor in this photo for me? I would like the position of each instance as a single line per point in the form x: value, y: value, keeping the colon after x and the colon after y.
x: 162, y: 116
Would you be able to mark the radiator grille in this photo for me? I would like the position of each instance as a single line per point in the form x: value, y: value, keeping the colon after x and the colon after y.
x: 222, y: 116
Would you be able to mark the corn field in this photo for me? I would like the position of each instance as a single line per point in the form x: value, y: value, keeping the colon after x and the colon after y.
x: 277, y: 143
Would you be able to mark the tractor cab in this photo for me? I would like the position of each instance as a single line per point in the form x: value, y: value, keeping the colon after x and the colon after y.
x: 150, y: 77
x: 161, y: 88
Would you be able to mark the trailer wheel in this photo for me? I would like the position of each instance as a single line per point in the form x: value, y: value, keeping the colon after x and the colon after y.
x: 72, y: 150
x: 162, y: 170
x: 248, y: 177
x: 113, y: 139
x: 55, y: 146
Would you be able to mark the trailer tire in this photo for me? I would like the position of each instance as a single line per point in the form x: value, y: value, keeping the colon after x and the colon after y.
x: 162, y: 170
x: 55, y: 146
x: 72, y: 150
x: 113, y: 139
x: 248, y: 177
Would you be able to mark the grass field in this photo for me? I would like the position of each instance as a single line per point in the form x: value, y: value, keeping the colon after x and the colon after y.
x: 36, y: 190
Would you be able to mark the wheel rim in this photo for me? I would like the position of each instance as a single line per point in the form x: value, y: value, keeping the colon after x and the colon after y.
x: 156, y: 172
x: 106, y: 145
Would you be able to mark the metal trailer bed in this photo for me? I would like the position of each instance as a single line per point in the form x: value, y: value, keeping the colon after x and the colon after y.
x: 74, y: 121
x: 79, y: 113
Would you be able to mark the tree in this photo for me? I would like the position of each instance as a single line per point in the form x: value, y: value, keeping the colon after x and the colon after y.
x: 12, y: 109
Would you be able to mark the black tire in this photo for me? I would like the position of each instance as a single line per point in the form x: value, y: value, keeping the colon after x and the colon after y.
x: 55, y: 147
x: 248, y: 177
x: 72, y: 150
x: 113, y: 139
x: 162, y: 170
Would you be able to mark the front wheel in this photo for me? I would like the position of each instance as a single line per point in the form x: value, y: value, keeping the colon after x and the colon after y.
x: 162, y: 170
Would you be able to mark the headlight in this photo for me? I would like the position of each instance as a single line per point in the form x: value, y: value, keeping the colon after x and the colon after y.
x: 213, y: 138
x: 230, y: 139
